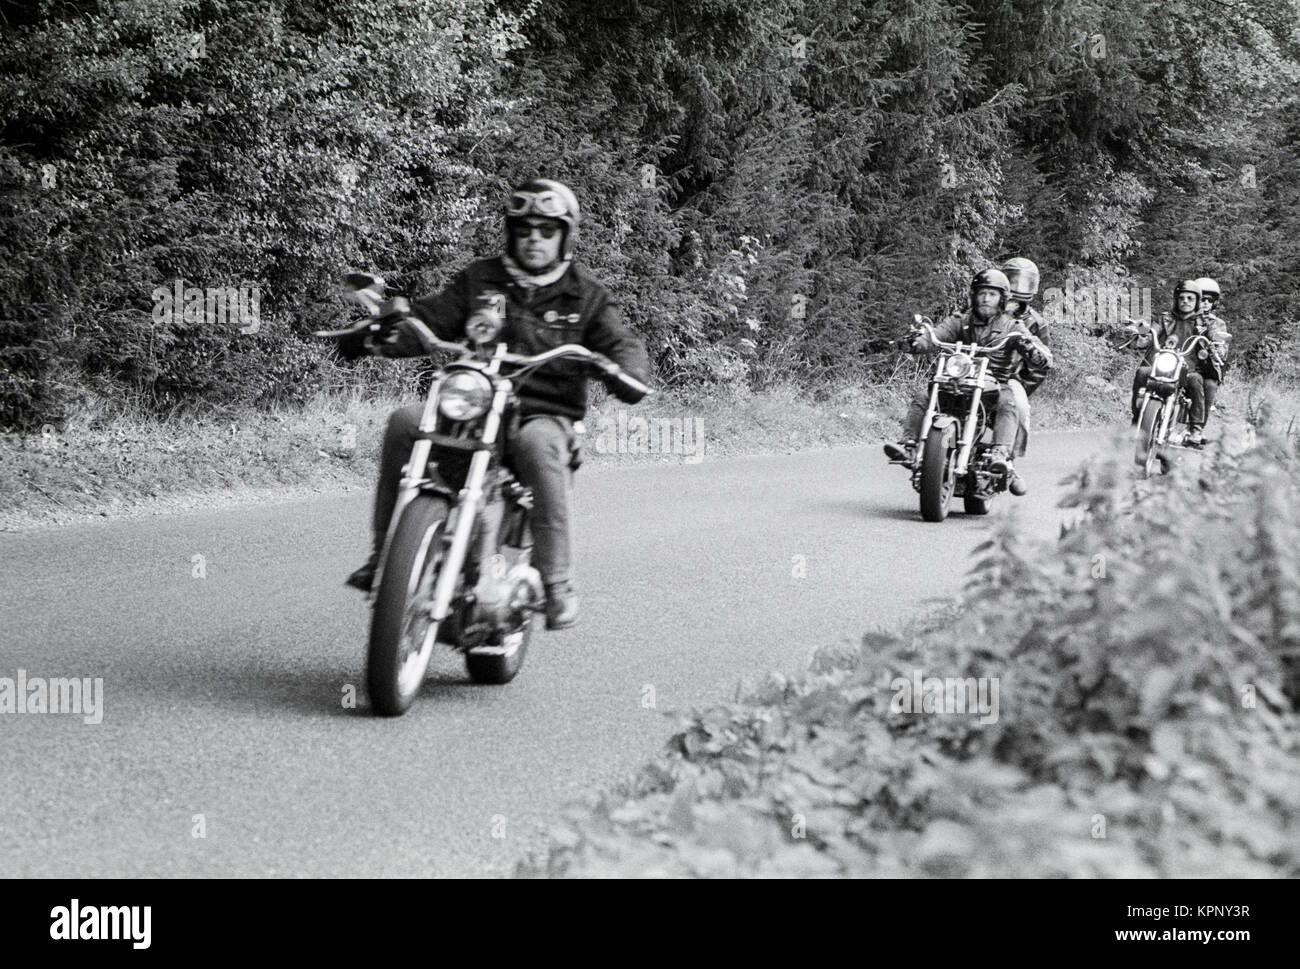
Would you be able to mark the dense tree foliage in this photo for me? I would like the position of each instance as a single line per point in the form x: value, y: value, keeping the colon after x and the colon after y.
x: 771, y: 185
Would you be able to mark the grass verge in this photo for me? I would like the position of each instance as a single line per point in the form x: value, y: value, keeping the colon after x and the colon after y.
x: 106, y: 464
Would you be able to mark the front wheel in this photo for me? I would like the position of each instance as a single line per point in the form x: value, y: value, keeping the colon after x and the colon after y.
x: 402, y: 633
x: 1146, y: 453
x: 937, y: 477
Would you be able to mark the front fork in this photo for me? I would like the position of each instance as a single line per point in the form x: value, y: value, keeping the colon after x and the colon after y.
x: 968, y: 433
x: 1167, y: 417
x: 468, y: 506
x: 968, y: 428
x: 468, y: 503
x: 931, y: 409
x: 410, y: 484
x: 1168, y: 413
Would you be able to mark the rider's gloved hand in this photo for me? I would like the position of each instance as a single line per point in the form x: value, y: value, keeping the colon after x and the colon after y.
x: 1035, y: 350
x: 621, y: 390
x: 397, y: 336
x: 354, y: 346
x: 916, y: 340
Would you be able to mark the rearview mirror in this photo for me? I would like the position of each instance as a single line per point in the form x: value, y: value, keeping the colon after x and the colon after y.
x: 365, y: 281
x: 366, y: 289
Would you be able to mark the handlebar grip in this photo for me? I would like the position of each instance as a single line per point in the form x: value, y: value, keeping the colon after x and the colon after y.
x: 632, y: 384
x: 614, y: 372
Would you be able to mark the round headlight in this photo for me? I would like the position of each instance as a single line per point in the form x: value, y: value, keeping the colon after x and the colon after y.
x: 464, y: 395
x: 957, y: 366
x: 1164, y: 364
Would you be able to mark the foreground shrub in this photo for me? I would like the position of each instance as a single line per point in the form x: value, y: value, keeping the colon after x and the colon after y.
x: 1138, y: 724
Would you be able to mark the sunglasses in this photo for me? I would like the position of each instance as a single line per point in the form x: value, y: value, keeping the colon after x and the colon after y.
x: 546, y: 203
x: 523, y: 231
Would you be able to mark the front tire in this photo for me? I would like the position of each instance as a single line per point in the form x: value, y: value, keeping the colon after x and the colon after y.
x: 1146, y: 454
x: 937, y: 477
x: 401, y: 633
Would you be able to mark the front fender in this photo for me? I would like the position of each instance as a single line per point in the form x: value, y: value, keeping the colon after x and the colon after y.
x: 944, y: 420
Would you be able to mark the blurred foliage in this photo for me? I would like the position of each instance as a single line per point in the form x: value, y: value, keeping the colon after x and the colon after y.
x: 770, y: 187
x: 1148, y: 667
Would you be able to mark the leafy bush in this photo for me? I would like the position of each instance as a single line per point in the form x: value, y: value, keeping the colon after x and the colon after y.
x: 1144, y: 729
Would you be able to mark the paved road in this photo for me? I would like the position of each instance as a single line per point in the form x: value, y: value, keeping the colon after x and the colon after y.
x: 224, y: 677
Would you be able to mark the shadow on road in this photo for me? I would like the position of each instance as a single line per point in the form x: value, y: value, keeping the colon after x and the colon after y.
x: 893, y: 512
x: 868, y: 509
x: 316, y: 686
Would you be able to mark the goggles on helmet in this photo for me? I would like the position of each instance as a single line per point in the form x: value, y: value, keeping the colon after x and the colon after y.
x: 547, y: 203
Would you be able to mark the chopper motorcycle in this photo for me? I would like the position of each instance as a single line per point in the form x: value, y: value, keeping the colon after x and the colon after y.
x: 1164, y: 404
x: 456, y: 564
x: 957, y: 433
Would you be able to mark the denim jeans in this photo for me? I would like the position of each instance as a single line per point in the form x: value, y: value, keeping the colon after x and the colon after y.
x: 541, y: 454
x: 1022, y: 415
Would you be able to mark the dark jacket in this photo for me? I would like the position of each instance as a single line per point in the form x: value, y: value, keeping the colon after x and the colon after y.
x: 1031, y: 374
x: 574, y: 309
x: 966, y: 328
x: 1217, y: 327
x: 1183, y: 328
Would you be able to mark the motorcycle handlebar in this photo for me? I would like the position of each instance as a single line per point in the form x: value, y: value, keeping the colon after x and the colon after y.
x: 602, y: 363
x: 1142, y: 327
x: 368, y: 290
x: 975, y: 350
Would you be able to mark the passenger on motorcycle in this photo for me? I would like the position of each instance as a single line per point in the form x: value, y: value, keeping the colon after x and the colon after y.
x: 1022, y: 274
x: 1210, y: 299
x: 1177, y: 326
x: 549, y: 300
x: 984, y: 324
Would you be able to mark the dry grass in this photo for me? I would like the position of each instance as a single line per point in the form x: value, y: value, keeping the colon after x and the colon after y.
x: 110, y: 463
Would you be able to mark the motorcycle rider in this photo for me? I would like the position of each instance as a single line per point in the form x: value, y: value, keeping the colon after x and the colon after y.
x: 1212, y: 369
x: 549, y: 300
x: 985, y: 323
x: 1022, y: 274
x: 1176, y: 327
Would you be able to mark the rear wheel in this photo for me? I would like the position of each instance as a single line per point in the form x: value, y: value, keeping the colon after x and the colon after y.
x: 937, y: 477
x: 500, y: 661
x: 402, y: 633
x: 1146, y: 453
x: 976, y: 506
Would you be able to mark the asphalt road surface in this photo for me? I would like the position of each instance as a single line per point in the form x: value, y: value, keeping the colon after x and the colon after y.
x: 227, y: 746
